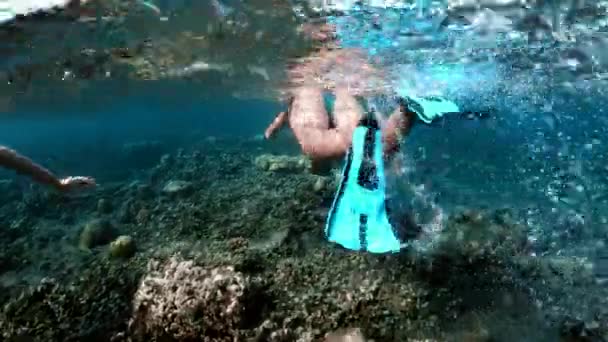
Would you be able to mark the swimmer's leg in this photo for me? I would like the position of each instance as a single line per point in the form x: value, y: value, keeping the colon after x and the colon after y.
x: 307, y: 110
x: 333, y: 143
x: 395, y: 128
x: 310, y: 124
x: 279, y: 122
x: 358, y: 218
x: 347, y: 114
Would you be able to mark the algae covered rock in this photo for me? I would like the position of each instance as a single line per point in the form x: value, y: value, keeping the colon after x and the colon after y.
x: 95, y: 233
x: 321, y: 184
x: 96, y: 304
x: 281, y: 163
x: 180, y: 300
x: 104, y: 206
x: 122, y: 247
x: 345, y: 335
x: 10, y: 190
x: 178, y: 187
x: 470, y: 235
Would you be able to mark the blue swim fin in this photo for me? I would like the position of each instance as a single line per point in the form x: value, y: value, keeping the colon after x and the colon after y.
x: 430, y: 108
x: 358, y: 218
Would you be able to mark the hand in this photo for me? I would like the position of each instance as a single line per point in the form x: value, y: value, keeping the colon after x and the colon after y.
x: 76, y: 183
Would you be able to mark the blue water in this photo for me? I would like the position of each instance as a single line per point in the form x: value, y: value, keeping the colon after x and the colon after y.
x: 507, y: 212
x: 79, y: 140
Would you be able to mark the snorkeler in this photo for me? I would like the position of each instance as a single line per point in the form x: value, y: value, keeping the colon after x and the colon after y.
x: 10, y: 159
x: 358, y: 219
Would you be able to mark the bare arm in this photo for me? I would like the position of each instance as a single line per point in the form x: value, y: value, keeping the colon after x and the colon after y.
x: 279, y: 121
x: 276, y: 125
x: 12, y: 160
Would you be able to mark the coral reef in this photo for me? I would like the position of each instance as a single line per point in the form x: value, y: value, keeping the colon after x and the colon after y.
x: 92, y: 307
x: 182, y: 301
x: 281, y: 163
x: 242, y: 257
x: 471, y: 234
x: 177, y: 187
x: 346, y: 335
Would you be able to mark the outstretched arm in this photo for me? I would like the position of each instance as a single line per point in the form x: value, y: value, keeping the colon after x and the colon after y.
x: 10, y: 159
x: 276, y: 125
x: 279, y: 121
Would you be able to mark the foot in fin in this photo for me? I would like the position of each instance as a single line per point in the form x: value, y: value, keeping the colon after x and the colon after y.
x: 429, y: 108
x: 358, y: 218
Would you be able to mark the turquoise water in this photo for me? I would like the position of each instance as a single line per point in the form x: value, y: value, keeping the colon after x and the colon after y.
x: 199, y: 229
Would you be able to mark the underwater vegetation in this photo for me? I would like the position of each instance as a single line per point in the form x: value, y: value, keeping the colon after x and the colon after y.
x: 224, y: 242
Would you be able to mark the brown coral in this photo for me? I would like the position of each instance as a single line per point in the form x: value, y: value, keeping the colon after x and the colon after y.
x: 181, y: 300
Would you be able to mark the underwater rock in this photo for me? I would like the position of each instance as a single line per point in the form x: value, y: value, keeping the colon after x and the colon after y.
x: 289, y: 164
x: 125, y: 212
x: 178, y: 187
x: 143, y: 216
x: 122, y: 247
x: 572, y: 270
x: 346, y: 335
x: 165, y: 160
x: 180, y: 300
x: 472, y: 235
x: 144, y: 192
x: 373, y: 299
x: 10, y: 190
x: 238, y: 243
x: 274, y: 240
x: 104, y: 206
x: 95, y: 305
x: 96, y: 233
x: 575, y: 330
x: 321, y: 184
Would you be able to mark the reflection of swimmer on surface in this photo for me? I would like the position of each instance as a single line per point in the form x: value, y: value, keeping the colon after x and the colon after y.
x: 12, y: 160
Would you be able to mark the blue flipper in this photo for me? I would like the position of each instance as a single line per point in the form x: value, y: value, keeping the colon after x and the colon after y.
x: 429, y: 108
x: 358, y: 219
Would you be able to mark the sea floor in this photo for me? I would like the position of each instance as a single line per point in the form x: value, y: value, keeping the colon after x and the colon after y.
x: 224, y: 242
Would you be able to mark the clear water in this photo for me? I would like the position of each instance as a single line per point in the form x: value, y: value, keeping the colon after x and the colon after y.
x: 168, y: 94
